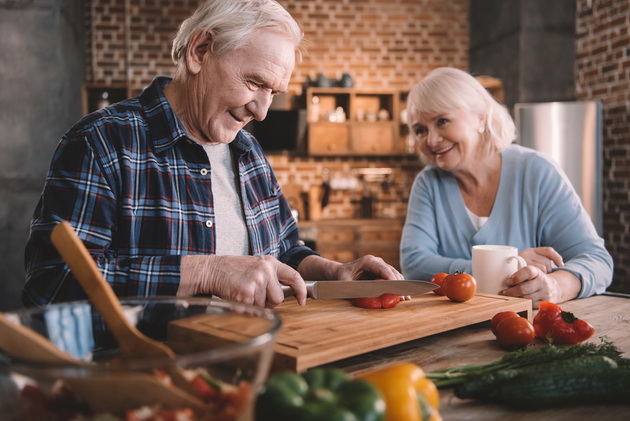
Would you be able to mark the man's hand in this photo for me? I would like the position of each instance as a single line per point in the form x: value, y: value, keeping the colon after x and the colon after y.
x: 248, y: 279
x: 367, y: 267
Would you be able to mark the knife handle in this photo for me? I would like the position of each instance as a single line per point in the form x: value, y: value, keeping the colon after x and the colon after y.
x: 288, y: 291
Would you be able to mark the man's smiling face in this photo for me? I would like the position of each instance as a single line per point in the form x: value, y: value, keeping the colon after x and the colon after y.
x: 234, y: 89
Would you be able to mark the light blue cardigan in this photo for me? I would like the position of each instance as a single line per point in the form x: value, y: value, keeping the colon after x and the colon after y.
x: 536, y: 206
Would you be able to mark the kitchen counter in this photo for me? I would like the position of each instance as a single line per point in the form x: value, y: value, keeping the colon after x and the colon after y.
x: 475, y: 344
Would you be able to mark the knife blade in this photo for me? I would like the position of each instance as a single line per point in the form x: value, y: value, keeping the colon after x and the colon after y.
x: 336, y: 290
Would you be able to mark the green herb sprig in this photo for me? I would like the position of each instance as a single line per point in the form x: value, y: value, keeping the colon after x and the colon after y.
x: 528, y: 356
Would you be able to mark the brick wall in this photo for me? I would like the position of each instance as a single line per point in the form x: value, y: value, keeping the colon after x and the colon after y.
x: 381, y: 43
x: 603, y: 72
x: 389, y: 44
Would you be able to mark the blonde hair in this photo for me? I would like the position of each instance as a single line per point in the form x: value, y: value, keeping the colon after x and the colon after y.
x: 232, y: 22
x: 447, y: 88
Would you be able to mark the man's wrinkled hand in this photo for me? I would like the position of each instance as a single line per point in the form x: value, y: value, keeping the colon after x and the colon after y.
x: 248, y: 279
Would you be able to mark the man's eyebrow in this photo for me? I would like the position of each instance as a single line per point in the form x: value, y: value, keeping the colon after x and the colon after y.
x: 264, y: 82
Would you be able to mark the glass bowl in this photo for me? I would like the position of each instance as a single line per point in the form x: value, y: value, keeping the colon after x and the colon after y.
x: 223, y: 352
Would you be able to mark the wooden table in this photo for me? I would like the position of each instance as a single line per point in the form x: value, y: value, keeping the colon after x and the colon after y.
x: 475, y: 344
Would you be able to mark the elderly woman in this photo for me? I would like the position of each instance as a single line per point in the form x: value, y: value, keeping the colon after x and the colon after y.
x: 169, y: 193
x: 479, y: 188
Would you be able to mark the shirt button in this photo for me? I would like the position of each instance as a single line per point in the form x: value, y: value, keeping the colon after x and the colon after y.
x: 209, y: 223
x: 203, y: 171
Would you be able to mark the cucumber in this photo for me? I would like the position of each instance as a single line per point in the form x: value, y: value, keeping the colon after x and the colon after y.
x: 487, y: 386
x: 530, y: 391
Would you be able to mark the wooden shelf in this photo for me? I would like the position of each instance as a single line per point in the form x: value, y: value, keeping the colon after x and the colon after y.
x: 370, y: 126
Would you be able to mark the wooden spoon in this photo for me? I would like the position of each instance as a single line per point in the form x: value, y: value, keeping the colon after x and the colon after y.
x: 130, y: 389
x: 26, y: 344
x: 132, y: 342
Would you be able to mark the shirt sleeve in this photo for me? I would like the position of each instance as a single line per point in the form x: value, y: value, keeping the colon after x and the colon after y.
x: 78, y: 191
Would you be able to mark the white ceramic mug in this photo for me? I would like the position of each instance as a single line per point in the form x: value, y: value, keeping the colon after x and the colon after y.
x: 492, y: 265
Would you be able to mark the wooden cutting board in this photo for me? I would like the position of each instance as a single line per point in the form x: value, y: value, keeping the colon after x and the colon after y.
x: 324, y: 331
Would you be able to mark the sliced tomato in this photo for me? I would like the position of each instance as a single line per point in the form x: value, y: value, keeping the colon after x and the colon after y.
x: 384, y: 301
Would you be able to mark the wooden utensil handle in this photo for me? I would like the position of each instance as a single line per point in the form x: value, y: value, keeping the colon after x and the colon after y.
x: 23, y: 342
x: 84, y: 268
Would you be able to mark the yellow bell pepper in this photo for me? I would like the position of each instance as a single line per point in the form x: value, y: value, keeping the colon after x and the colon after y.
x: 409, y: 395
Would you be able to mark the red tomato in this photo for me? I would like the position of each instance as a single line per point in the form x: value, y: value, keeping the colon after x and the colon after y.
x: 390, y: 300
x: 459, y: 287
x: 384, y: 301
x: 547, y: 314
x: 515, y: 332
x: 438, y: 279
x: 559, y: 326
x: 367, y: 302
x: 202, y: 389
x: 499, y: 317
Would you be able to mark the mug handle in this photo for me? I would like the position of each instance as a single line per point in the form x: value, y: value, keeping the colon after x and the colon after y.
x: 521, y: 262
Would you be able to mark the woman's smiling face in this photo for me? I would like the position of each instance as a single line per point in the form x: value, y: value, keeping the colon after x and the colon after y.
x: 452, y: 140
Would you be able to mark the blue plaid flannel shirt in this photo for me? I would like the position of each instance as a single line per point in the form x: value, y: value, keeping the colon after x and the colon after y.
x: 138, y: 193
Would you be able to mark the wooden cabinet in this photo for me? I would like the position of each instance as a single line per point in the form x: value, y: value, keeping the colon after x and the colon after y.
x: 346, y: 240
x: 349, y: 121
x: 328, y: 139
x: 373, y: 139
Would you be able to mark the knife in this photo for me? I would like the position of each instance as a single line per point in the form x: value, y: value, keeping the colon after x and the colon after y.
x: 336, y: 290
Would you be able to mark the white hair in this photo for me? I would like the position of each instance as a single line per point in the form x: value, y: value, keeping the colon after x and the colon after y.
x: 447, y: 88
x: 232, y: 22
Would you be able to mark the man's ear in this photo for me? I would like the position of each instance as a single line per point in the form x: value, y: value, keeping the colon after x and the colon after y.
x: 198, y: 50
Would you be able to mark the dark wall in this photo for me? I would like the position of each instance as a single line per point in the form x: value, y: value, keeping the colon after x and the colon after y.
x: 41, y: 73
x: 528, y: 44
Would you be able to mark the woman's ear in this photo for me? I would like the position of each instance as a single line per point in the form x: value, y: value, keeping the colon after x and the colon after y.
x: 198, y: 50
x: 482, y: 124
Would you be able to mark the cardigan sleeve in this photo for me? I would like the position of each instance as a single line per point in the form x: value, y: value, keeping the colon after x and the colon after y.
x: 565, y: 225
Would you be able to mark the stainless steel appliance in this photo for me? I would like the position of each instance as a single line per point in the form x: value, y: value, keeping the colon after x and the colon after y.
x: 571, y: 133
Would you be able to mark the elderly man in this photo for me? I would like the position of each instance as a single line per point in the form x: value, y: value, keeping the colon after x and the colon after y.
x: 168, y: 192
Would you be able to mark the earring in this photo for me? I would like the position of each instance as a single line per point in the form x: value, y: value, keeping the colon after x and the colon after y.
x: 481, y: 130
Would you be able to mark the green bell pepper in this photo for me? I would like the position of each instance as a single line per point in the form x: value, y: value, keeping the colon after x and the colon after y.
x: 319, y: 394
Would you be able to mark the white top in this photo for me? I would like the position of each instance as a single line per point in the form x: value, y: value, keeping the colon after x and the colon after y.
x: 231, y: 231
x: 477, y: 221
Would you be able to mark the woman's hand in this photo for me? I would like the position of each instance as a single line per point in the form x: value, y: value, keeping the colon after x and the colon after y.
x: 543, y: 258
x: 531, y: 282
